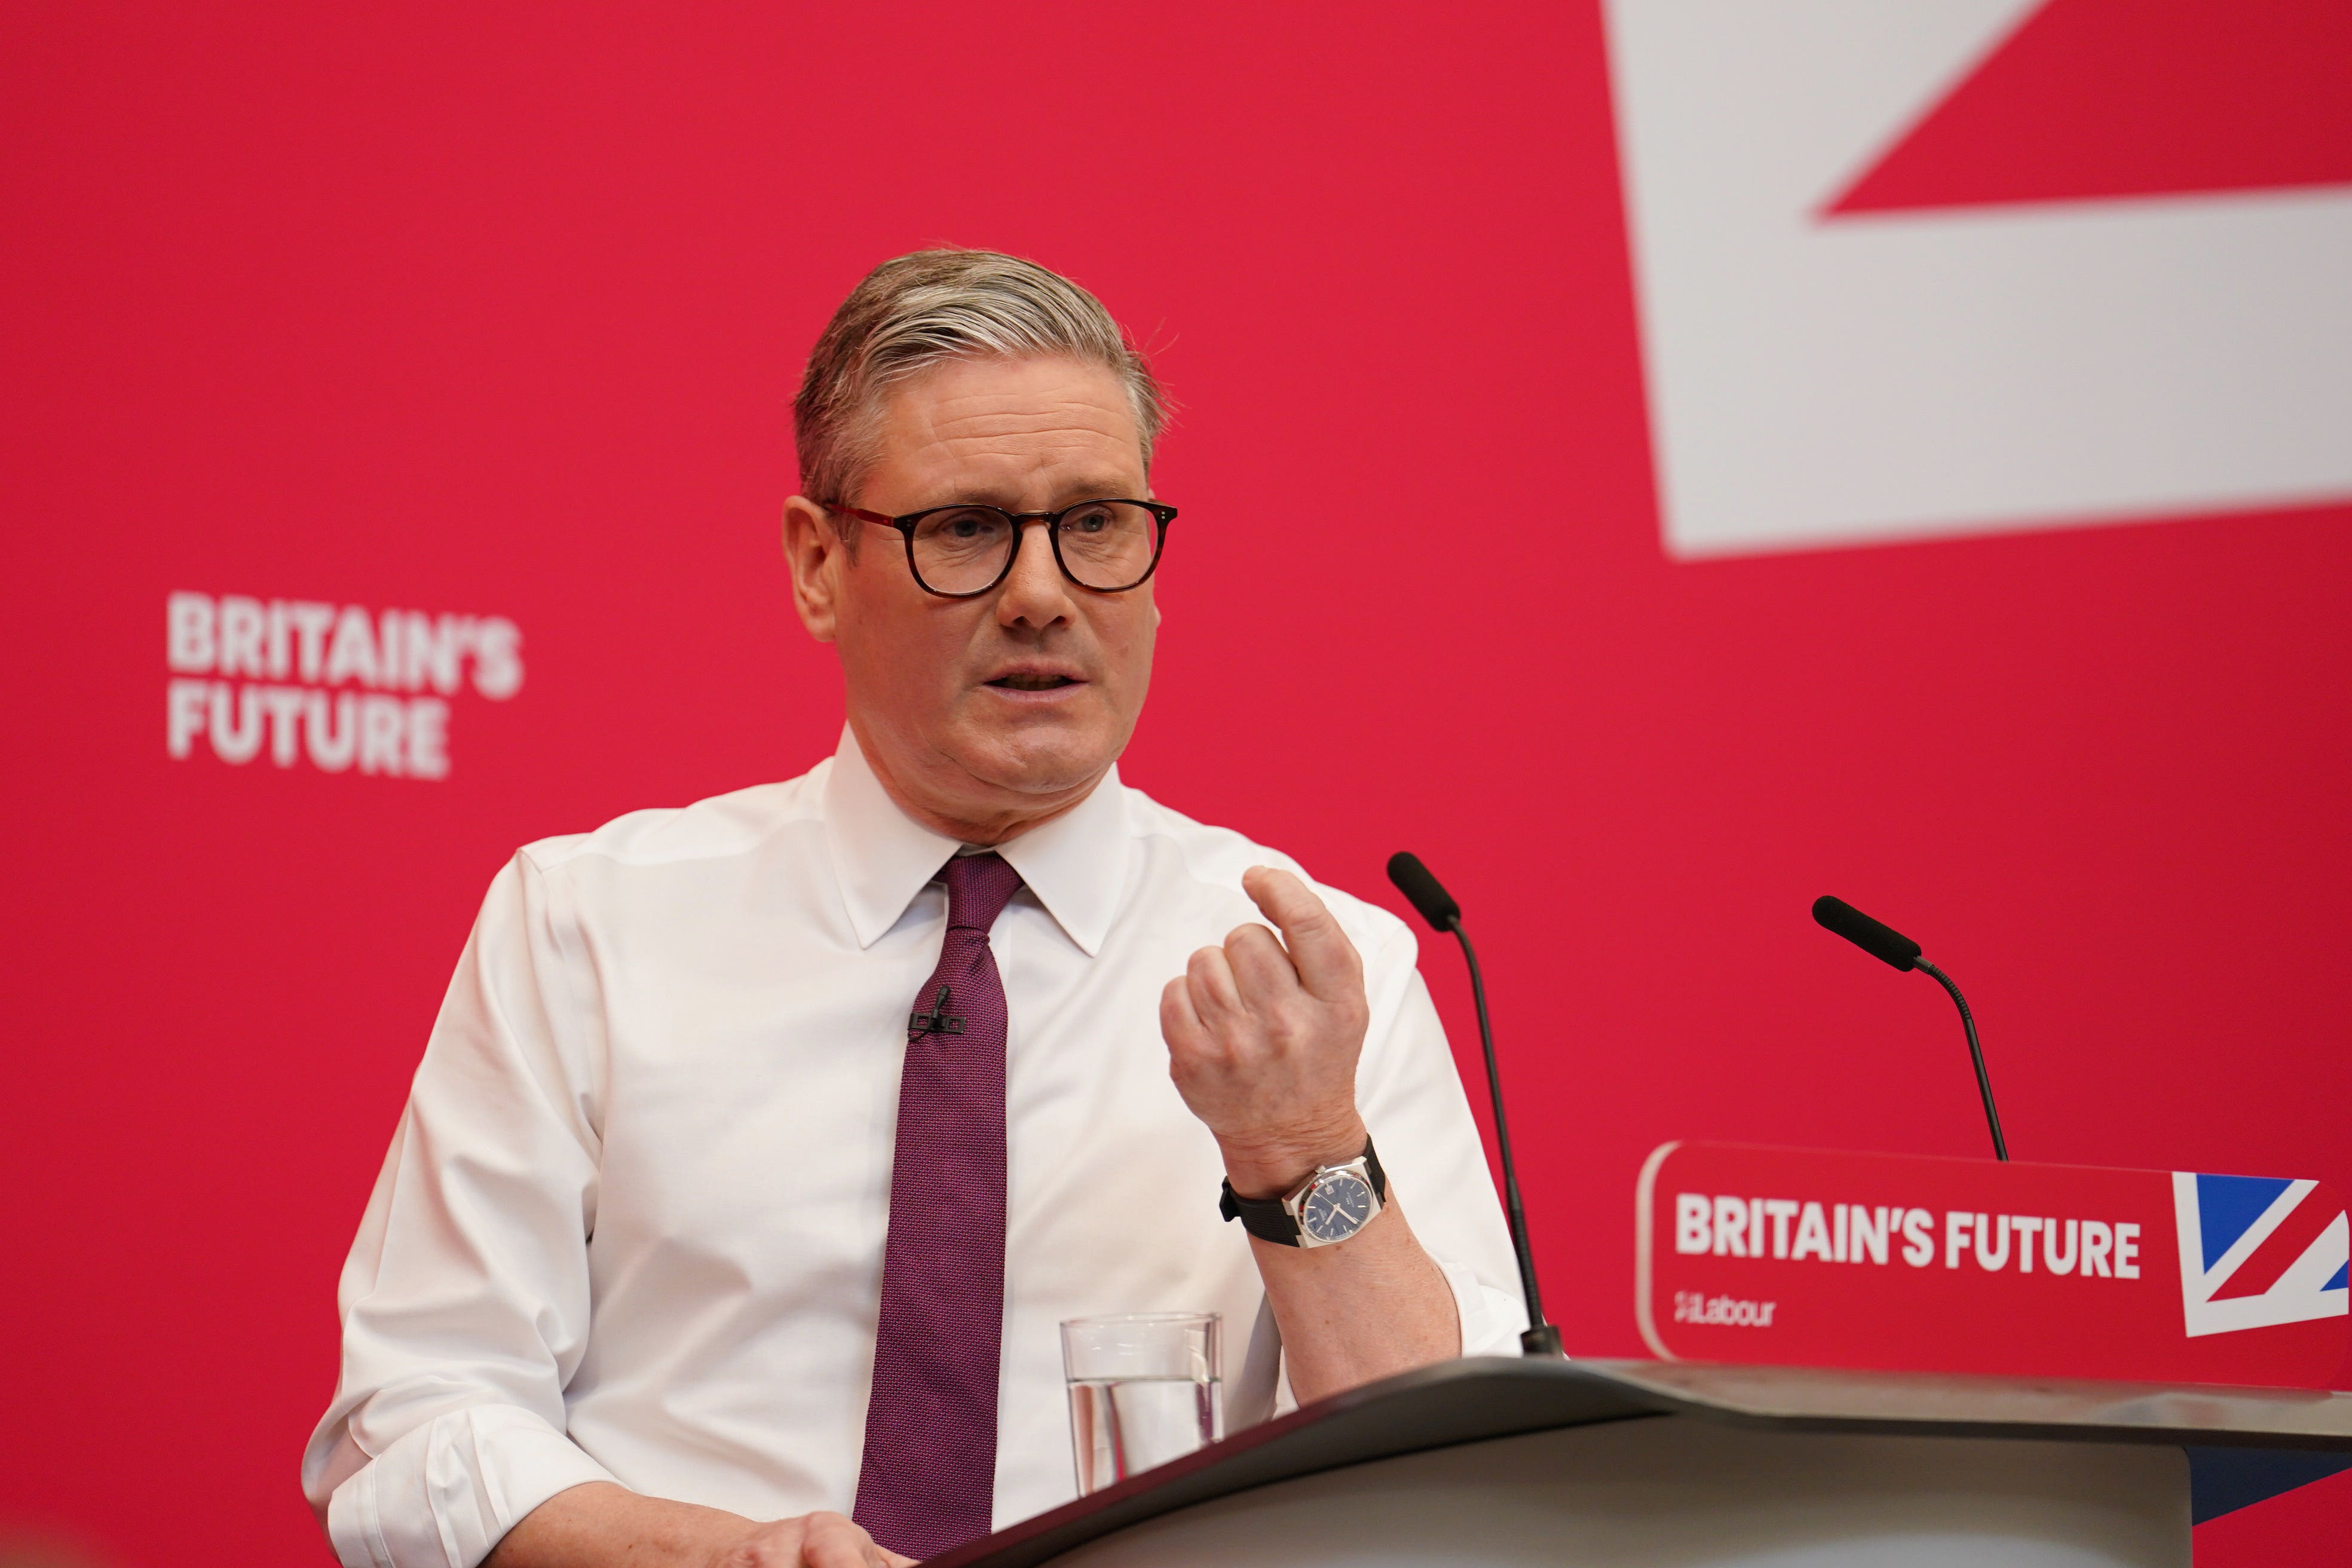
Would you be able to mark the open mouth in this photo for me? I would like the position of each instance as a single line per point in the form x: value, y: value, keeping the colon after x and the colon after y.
x: 1030, y: 680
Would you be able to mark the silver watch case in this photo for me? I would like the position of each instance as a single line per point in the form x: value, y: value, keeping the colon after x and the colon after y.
x: 1334, y: 1205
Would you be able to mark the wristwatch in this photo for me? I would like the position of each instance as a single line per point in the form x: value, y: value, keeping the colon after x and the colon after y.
x: 1333, y: 1205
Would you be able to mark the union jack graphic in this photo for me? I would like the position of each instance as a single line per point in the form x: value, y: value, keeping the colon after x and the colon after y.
x: 2258, y: 1250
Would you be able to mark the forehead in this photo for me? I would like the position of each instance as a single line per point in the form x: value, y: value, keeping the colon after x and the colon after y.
x: 984, y: 428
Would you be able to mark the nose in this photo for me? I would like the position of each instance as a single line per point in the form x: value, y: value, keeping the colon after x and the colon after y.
x: 1035, y: 594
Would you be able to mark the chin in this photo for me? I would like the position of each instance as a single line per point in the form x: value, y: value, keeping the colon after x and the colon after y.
x: 1039, y: 761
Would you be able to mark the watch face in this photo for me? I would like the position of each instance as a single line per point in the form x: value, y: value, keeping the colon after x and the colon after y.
x: 1337, y: 1207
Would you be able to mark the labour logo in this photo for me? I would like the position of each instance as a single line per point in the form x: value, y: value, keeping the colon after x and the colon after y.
x: 2257, y: 1251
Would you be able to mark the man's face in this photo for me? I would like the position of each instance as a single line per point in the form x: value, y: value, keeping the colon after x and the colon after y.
x: 1008, y: 707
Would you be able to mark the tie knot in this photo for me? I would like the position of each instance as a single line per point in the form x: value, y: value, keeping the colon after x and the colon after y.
x: 979, y: 887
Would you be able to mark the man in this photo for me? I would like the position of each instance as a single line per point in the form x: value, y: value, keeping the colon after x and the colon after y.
x: 760, y: 1145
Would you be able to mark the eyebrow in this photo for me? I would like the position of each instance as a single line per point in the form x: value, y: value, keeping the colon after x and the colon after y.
x: 1065, y: 496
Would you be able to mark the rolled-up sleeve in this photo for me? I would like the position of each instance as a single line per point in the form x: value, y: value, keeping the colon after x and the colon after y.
x: 1412, y: 1097
x: 465, y: 1301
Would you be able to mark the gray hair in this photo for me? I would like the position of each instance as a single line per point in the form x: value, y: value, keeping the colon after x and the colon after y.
x: 931, y: 306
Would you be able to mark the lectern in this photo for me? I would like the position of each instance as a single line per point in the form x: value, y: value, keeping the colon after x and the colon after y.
x: 1489, y: 1462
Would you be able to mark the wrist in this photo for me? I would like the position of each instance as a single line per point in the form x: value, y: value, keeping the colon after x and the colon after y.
x: 1272, y: 1167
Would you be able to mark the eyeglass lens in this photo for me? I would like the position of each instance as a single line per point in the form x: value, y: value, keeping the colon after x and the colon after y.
x: 1106, y: 545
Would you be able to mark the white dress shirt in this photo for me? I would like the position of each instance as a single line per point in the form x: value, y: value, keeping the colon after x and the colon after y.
x: 631, y: 1226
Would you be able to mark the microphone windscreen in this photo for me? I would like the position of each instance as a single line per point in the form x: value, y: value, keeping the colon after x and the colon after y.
x: 1422, y: 892
x: 1882, y: 942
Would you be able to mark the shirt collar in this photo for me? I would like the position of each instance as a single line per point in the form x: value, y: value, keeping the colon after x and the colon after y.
x: 1075, y: 865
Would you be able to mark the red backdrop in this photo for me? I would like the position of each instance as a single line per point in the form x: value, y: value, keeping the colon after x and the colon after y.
x: 501, y: 312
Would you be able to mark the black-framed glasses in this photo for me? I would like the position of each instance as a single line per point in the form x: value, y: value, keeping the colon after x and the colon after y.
x: 962, y: 552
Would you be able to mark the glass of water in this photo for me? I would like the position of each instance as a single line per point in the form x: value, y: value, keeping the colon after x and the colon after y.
x: 1145, y: 1388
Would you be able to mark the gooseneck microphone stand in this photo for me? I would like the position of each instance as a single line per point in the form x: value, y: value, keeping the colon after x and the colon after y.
x: 1892, y: 948
x: 1975, y: 1051
x: 1542, y: 1338
x: 1437, y: 907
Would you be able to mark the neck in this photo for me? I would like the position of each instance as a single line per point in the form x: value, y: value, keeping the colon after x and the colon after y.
x: 988, y: 815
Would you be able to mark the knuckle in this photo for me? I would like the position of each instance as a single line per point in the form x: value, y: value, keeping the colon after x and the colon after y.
x: 1251, y: 938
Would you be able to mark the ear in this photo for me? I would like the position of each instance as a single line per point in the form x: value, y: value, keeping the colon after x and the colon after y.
x: 817, y: 556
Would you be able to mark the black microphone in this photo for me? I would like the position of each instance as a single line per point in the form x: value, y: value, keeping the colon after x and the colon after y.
x: 1888, y: 946
x: 1424, y: 893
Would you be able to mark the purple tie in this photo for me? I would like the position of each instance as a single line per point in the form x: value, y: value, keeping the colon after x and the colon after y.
x: 927, y: 1480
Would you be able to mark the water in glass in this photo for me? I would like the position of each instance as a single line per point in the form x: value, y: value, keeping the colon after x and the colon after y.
x: 1120, y: 1425
x: 1145, y: 1388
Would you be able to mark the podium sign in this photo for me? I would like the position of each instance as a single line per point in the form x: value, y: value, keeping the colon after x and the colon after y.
x: 1810, y: 1258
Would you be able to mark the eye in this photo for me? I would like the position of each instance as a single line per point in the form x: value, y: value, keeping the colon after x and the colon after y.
x: 961, y: 527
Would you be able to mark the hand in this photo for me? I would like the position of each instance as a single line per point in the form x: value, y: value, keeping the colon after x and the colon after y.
x: 1263, y: 1042
x: 811, y: 1540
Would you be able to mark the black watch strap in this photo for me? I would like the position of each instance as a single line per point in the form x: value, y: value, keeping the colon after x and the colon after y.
x: 1266, y: 1220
